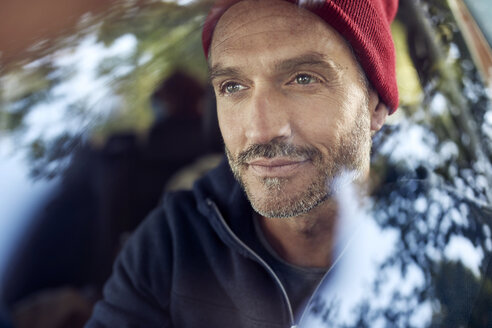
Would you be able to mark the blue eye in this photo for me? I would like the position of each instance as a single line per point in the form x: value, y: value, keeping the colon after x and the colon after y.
x: 305, y: 79
x: 231, y: 87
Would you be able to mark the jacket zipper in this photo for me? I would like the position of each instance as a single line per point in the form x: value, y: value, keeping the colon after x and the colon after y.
x: 259, y: 259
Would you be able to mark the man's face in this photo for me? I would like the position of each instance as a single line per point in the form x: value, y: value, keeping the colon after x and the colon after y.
x: 292, y: 108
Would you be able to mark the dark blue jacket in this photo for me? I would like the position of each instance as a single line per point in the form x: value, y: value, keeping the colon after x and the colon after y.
x: 188, y: 265
x: 195, y: 262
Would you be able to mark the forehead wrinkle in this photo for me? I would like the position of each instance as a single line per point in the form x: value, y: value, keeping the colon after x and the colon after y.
x: 214, y: 46
x: 251, y: 19
x: 223, y: 26
x: 268, y: 5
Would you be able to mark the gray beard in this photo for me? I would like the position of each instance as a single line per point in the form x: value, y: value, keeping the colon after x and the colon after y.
x: 351, y: 155
x: 278, y: 204
x: 277, y: 207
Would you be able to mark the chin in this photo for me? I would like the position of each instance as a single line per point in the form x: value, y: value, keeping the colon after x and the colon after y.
x: 280, y: 198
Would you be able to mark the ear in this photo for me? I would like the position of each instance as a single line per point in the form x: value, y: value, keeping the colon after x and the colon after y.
x: 378, y: 113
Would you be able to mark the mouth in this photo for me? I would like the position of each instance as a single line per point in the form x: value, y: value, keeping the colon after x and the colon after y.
x: 276, y: 167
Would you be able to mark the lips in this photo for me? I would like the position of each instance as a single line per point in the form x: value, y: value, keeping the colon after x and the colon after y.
x: 276, y: 167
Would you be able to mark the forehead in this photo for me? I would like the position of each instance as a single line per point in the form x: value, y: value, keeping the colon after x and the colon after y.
x: 251, y: 28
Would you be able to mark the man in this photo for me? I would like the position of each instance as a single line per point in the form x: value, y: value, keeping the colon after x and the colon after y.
x: 300, y: 89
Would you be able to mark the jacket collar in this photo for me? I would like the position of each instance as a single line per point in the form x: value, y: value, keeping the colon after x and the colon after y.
x: 220, y: 186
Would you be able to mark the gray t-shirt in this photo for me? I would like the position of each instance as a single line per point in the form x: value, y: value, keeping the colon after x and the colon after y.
x: 299, y: 282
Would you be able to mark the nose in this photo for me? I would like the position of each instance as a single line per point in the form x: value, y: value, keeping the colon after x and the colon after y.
x: 267, y: 117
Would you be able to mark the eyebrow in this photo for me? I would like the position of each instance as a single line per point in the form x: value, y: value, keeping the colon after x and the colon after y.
x: 218, y: 71
x: 314, y: 59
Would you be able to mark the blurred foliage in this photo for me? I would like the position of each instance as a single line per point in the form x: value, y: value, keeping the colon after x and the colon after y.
x: 430, y: 200
x: 168, y: 36
x: 454, y: 102
x: 428, y: 218
x: 456, y: 288
x: 426, y: 231
x: 409, y: 88
x: 435, y: 174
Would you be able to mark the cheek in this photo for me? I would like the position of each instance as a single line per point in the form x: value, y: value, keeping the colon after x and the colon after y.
x: 318, y: 119
x: 230, y: 128
x: 324, y: 121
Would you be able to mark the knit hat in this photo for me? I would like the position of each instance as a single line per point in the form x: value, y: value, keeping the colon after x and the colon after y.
x: 365, y: 24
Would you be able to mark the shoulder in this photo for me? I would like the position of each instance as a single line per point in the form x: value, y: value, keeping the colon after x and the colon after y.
x: 178, y: 210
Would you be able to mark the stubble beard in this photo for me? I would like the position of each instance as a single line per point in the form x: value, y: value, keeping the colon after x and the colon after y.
x: 351, y: 154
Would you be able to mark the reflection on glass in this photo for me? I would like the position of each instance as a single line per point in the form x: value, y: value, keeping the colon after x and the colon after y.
x: 422, y: 248
x: 417, y: 254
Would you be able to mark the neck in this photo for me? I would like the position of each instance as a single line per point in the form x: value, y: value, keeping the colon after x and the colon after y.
x: 307, y: 240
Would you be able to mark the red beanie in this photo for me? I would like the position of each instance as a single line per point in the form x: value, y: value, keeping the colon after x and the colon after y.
x: 365, y: 24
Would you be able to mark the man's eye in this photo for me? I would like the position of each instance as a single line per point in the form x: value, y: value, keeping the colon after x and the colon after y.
x: 231, y: 87
x: 305, y: 79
